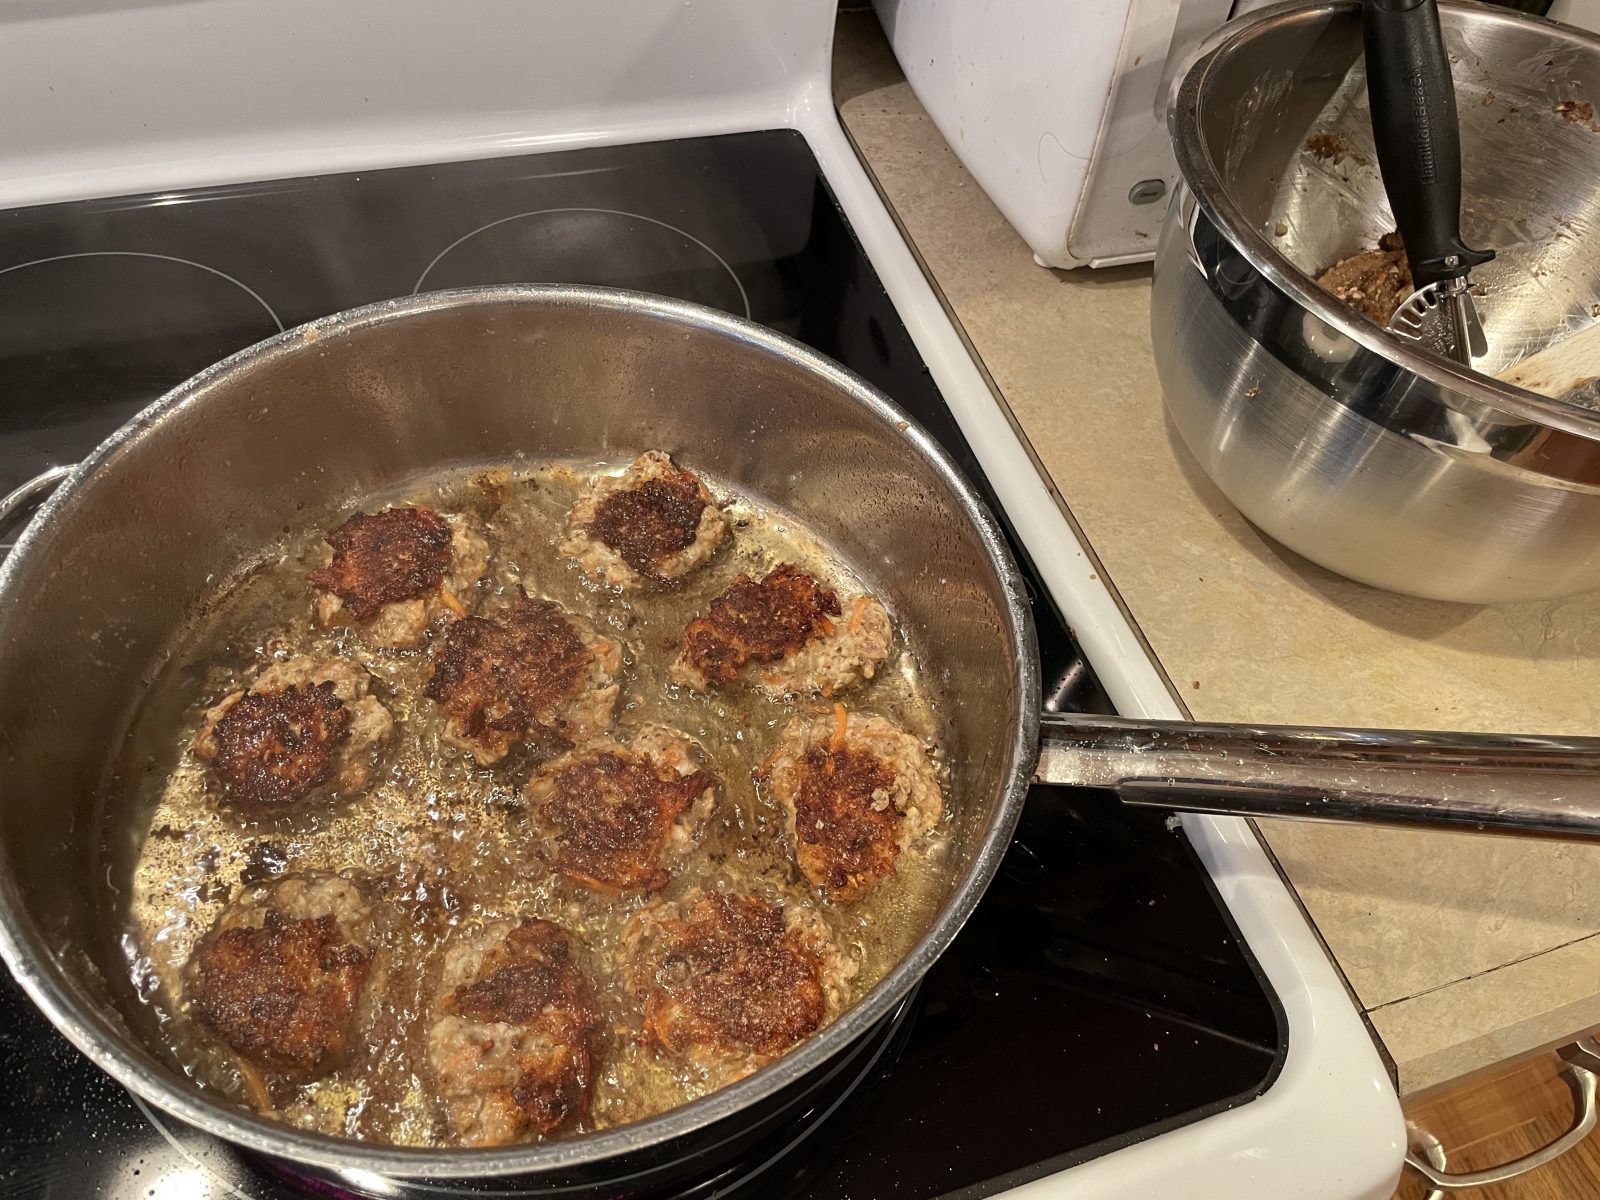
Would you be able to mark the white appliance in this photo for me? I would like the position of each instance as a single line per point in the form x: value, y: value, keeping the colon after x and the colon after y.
x: 1585, y: 14
x: 110, y: 97
x: 1059, y: 109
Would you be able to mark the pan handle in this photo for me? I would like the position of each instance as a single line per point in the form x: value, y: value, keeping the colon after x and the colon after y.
x: 1528, y: 785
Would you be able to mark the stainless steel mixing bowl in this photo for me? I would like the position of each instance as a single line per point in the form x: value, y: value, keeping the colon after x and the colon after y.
x: 1361, y: 451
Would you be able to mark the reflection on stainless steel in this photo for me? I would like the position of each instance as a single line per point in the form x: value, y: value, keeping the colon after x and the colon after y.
x: 1363, y: 451
x: 1486, y: 783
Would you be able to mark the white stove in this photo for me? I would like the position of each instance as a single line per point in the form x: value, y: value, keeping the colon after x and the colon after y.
x: 108, y: 99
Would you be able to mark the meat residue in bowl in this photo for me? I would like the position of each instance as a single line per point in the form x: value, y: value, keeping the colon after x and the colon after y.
x: 1329, y: 147
x: 1374, y: 282
x: 437, y: 936
x: 1578, y: 112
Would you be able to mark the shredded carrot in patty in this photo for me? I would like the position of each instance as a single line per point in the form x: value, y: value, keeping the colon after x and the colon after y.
x: 857, y: 611
x: 451, y: 602
x: 840, y: 720
x: 599, y: 885
x: 255, y: 1085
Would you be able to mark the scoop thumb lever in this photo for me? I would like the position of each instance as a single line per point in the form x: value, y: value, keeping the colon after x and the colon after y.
x: 1413, y: 102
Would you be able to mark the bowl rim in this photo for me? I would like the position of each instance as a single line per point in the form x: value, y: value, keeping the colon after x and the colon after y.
x: 1205, y: 183
x: 37, y: 969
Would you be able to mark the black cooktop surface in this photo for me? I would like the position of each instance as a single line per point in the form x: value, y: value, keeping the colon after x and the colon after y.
x: 1098, y: 996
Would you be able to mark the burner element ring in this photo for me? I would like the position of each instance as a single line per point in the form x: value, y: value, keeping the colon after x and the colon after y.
x: 171, y: 258
x: 574, y: 257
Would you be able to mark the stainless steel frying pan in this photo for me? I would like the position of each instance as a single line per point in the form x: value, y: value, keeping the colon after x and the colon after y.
x: 102, y: 581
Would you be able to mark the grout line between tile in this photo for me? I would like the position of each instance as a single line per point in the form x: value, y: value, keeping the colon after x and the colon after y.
x: 1486, y: 971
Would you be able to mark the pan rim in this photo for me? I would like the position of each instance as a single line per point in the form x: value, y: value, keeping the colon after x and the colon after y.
x: 24, y: 949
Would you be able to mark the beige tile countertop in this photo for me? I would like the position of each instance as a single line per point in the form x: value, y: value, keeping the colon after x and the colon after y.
x: 1464, y: 951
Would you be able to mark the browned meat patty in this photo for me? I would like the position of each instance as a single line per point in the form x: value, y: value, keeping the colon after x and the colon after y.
x: 656, y: 521
x: 303, y: 726
x: 532, y: 670
x: 393, y: 572
x: 284, y: 977
x: 616, y: 817
x: 274, y: 748
x: 378, y: 558
x: 510, y: 1046
x: 857, y: 792
x: 732, y: 979
x: 1374, y: 282
x: 791, y: 629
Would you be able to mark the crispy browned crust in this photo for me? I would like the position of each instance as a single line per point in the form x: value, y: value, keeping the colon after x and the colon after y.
x: 730, y: 977
x: 380, y: 558
x: 759, y: 622
x: 510, y: 673
x: 274, y: 748
x: 847, y: 837
x: 651, y: 521
x: 531, y: 971
x: 531, y: 979
x: 283, y: 995
x: 610, y: 817
x: 555, y: 1090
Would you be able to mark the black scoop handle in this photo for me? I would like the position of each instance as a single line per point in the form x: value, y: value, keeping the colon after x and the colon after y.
x: 1413, y: 101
